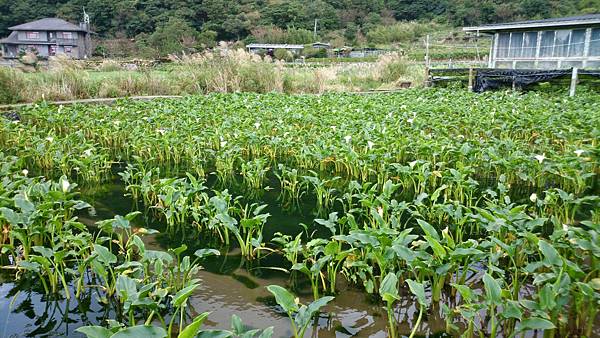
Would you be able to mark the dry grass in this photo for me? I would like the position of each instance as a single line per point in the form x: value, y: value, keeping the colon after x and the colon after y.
x: 225, y: 71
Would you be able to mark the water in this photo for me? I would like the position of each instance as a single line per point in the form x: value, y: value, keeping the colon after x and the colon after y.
x: 229, y: 285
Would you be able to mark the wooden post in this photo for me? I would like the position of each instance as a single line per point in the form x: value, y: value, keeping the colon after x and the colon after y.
x: 427, y: 80
x: 470, y: 79
x: 573, y: 81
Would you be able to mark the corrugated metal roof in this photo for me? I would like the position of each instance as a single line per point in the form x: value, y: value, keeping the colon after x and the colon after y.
x: 48, y: 24
x: 581, y: 20
x: 274, y: 46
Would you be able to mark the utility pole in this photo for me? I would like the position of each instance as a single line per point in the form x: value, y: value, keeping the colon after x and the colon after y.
x: 315, y: 30
x: 427, y: 52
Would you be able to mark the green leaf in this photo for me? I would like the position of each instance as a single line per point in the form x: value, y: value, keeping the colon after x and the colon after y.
x: 284, y: 298
x: 306, y: 313
x: 418, y: 289
x: 192, y: 330
x: 551, y: 255
x: 536, y: 324
x: 236, y: 325
x: 388, y: 290
x: 215, y: 334
x: 511, y: 309
x: 438, y: 249
x: 267, y: 333
x: 428, y: 229
x: 202, y: 253
x: 144, y: 331
x: 546, y: 296
x: 104, y: 255
x: 492, y: 289
x: 25, y: 205
x: 94, y: 331
x: 183, y: 294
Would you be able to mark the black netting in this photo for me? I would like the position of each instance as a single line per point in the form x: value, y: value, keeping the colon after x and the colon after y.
x: 487, y: 79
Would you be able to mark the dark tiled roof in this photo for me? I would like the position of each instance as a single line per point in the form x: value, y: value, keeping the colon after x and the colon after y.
x: 566, y: 21
x: 12, y: 38
x: 48, y: 24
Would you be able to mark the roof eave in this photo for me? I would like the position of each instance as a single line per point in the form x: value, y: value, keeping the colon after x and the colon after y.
x: 495, y: 28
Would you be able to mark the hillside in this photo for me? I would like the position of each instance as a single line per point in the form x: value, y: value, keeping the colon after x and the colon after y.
x: 168, y: 25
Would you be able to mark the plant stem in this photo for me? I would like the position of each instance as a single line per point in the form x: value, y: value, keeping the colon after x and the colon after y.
x: 412, y: 334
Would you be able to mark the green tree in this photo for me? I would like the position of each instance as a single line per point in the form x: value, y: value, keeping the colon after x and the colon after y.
x: 174, y: 36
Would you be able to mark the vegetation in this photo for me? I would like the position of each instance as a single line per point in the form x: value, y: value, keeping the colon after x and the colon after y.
x: 203, y: 73
x: 156, y: 27
x: 484, y: 207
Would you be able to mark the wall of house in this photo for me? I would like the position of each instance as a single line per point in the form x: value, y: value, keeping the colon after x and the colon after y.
x: 547, y: 49
x: 42, y: 36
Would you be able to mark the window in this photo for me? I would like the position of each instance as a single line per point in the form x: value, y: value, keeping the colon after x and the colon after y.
x: 595, y: 42
x: 547, y: 44
x: 516, y: 45
x: 530, y: 40
x: 503, y: 44
x: 577, y: 43
x: 52, y: 50
x: 32, y: 35
x: 68, y: 49
x: 67, y: 35
x: 561, y: 43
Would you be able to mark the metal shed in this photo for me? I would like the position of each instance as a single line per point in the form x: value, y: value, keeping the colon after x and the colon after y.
x: 571, y: 42
x: 257, y: 47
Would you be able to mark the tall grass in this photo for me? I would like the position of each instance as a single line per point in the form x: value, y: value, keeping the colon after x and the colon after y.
x: 230, y: 71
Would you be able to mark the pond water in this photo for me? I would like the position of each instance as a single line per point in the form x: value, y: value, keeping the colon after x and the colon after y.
x: 229, y: 285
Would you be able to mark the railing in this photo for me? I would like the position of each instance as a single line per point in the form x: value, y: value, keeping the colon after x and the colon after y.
x: 62, y: 41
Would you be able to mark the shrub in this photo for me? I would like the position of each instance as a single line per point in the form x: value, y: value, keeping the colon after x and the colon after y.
x: 284, y: 55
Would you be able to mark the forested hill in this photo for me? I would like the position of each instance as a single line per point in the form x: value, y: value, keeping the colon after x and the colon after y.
x: 236, y: 20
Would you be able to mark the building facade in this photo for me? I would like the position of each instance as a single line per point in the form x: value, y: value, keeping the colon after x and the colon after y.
x: 544, y: 44
x: 48, y: 37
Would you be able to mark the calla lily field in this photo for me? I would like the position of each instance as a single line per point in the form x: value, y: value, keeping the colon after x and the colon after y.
x: 443, y: 212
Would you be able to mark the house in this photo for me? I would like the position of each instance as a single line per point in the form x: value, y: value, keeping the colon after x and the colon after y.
x: 48, y: 37
x: 544, y: 44
x: 269, y: 48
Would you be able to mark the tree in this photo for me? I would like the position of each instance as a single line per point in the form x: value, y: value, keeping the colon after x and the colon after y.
x: 174, y: 36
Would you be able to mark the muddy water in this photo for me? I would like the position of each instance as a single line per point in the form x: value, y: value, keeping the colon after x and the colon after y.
x: 229, y: 285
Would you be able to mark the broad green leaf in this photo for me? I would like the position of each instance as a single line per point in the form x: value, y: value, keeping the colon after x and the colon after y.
x: 551, y: 255
x: 388, y: 290
x: 141, y: 331
x: 536, y: 324
x: 493, y: 291
x: 215, y: 334
x: 284, y: 298
x: 95, y: 331
x: 202, y: 253
x: 104, y: 255
x: 191, y: 331
x: 418, y: 289
x: 183, y: 294
x: 428, y: 229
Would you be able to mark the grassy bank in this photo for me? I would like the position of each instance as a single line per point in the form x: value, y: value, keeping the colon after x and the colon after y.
x: 236, y: 71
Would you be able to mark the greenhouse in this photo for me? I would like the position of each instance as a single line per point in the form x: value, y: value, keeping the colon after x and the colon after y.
x: 544, y: 44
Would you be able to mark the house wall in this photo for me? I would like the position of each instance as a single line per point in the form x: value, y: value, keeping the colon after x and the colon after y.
x: 547, y: 49
x: 22, y: 36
